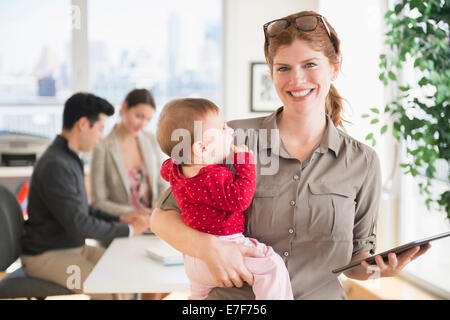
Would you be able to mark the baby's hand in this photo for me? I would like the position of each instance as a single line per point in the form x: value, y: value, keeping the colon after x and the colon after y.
x: 241, y: 148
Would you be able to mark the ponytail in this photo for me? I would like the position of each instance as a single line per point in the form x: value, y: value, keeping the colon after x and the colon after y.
x: 334, y: 106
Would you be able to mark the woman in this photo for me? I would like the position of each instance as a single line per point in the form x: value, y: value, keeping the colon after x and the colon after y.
x: 316, y: 201
x: 125, y: 166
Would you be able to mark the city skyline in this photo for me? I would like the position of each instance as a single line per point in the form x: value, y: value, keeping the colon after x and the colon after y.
x: 114, y: 65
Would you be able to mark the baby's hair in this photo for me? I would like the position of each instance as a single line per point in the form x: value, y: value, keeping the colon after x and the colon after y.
x: 181, y: 114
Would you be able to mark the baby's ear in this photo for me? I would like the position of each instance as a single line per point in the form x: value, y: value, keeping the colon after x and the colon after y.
x: 198, y: 148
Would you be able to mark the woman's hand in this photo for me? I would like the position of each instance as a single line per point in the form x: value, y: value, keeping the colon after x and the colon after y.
x: 141, y: 224
x: 395, y: 264
x: 132, y: 215
x: 225, y: 261
x: 141, y: 212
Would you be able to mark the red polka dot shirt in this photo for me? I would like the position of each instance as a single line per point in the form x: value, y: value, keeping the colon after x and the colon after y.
x: 212, y: 201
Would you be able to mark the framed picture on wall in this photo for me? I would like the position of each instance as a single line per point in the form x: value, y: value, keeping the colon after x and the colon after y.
x: 263, y: 96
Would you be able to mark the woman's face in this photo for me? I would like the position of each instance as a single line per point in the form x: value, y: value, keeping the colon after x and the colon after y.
x: 136, y: 118
x: 302, y: 77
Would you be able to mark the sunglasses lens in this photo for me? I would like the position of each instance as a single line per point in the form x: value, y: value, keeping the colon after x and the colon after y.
x: 276, y: 27
x: 306, y: 23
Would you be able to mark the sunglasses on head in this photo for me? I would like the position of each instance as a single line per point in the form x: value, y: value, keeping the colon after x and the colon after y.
x: 302, y: 23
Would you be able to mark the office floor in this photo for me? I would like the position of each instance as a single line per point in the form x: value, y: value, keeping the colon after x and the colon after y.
x: 172, y: 296
x: 391, y: 289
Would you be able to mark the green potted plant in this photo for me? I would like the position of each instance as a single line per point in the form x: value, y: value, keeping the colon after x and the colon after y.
x: 419, y: 113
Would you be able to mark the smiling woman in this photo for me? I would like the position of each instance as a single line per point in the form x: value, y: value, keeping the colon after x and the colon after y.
x: 320, y: 208
x: 307, y: 60
x: 303, y: 78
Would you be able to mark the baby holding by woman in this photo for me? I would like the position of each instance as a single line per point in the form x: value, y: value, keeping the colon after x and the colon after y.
x: 210, y: 199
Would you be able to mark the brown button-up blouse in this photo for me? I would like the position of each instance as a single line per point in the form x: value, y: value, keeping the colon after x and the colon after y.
x: 317, y: 214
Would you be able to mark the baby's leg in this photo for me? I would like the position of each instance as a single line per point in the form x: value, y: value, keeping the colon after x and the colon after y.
x: 201, y: 280
x: 270, y: 276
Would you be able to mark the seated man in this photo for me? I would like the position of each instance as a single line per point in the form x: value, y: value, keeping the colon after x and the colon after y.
x: 60, y: 219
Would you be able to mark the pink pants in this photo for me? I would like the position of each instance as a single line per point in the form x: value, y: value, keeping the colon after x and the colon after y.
x: 270, y: 276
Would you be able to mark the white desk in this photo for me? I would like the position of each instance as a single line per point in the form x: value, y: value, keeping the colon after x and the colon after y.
x: 126, y: 268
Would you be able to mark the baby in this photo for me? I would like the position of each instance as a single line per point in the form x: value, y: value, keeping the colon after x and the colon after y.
x: 209, y: 198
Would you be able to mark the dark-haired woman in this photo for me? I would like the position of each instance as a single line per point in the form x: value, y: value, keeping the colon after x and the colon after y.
x: 124, y: 173
x: 125, y: 166
x: 316, y: 200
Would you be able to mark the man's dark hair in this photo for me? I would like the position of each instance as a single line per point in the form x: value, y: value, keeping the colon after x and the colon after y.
x: 84, y: 105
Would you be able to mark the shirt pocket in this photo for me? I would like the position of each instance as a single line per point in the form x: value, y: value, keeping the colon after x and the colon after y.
x: 260, y: 214
x: 332, y: 211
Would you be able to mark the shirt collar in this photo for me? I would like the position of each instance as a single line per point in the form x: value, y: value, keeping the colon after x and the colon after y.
x: 64, y: 143
x: 330, y: 139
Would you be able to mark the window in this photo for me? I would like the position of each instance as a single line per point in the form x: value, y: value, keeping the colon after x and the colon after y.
x: 35, y: 58
x: 35, y: 65
x: 416, y: 221
x: 172, y: 48
x: 430, y: 270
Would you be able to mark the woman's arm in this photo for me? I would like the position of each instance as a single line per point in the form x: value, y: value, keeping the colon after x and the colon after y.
x: 364, y: 240
x: 382, y: 269
x: 224, y: 259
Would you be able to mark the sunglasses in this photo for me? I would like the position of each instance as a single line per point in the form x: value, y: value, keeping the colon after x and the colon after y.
x: 302, y: 23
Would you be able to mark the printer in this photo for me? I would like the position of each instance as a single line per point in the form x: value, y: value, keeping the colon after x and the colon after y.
x: 21, y: 149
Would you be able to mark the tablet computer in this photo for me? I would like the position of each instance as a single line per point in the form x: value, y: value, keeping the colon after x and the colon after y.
x: 397, y: 251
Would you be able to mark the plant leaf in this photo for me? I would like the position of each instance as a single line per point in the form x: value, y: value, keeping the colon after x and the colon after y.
x: 404, y: 89
x: 392, y: 76
x: 395, y: 133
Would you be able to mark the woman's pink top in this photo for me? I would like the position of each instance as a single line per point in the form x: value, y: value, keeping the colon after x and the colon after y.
x: 140, y: 189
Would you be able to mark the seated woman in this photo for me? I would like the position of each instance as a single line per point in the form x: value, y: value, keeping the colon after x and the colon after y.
x: 125, y: 166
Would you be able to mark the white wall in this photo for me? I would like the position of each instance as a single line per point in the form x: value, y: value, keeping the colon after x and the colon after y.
x: 243, y: 43
x: 361, y: 33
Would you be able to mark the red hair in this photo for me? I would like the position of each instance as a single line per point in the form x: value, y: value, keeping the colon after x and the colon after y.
x: 319, y: 40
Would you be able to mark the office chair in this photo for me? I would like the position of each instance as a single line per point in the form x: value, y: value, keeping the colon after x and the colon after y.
x: 17, y: 284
